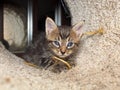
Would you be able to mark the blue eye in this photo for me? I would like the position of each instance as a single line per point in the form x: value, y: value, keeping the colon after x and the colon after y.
x: 70, y: 44
x: 56, y: 43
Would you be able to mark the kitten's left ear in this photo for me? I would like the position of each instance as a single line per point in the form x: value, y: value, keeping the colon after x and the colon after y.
x: 77, y: 28
x: 50, y: 25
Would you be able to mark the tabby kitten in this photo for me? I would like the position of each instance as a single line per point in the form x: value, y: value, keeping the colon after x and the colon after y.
x: 57, y: 41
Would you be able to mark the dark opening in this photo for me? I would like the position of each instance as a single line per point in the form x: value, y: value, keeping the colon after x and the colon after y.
x: 41, y: 10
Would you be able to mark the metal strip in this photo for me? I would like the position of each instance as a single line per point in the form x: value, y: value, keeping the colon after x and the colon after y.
x: 30, y: 22
x: 58, y: 14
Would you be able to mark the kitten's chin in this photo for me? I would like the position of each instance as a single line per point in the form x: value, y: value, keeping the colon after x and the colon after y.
x: 63, y: 56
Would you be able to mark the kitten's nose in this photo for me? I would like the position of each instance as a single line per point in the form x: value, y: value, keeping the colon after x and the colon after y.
x: 62, y: 52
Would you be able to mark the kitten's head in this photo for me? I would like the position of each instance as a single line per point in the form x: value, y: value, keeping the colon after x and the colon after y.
x: 64, y: 40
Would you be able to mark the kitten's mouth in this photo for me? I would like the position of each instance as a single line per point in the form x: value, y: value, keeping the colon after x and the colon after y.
x: 63, y: 56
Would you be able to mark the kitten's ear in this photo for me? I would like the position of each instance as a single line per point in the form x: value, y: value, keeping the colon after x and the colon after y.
x: 50, y: 25
x: 77, y: 28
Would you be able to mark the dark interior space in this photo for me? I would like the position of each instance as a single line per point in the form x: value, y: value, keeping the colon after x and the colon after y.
x: 1, y: 20
x: 41, y: 9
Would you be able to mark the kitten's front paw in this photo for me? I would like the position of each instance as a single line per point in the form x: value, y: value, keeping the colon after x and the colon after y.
x: 57, y: 68
x: 72, y: 63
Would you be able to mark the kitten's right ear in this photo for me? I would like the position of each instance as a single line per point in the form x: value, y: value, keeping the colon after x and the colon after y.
x: 77, y: 28
x: 50, y: 25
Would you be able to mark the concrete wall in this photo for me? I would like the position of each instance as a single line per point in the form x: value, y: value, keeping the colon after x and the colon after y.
x: 96, y: 13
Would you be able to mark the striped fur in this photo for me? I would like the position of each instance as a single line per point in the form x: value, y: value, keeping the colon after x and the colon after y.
x: 60, y: 41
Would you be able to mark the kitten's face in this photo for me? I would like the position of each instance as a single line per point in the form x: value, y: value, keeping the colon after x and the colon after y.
x: 63, y: 41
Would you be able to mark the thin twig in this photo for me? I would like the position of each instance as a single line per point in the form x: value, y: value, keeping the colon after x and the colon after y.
x: 66, y: 63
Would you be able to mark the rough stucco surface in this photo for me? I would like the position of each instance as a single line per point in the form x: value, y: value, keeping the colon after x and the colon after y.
x: 98, y: 60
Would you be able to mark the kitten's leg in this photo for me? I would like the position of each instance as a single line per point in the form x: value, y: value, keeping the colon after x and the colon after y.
x: 50, y: 64
x: 46, y: 62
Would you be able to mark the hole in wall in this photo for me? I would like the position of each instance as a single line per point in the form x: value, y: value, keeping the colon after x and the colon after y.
x: 16, y: 15
x: 15, y: 20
